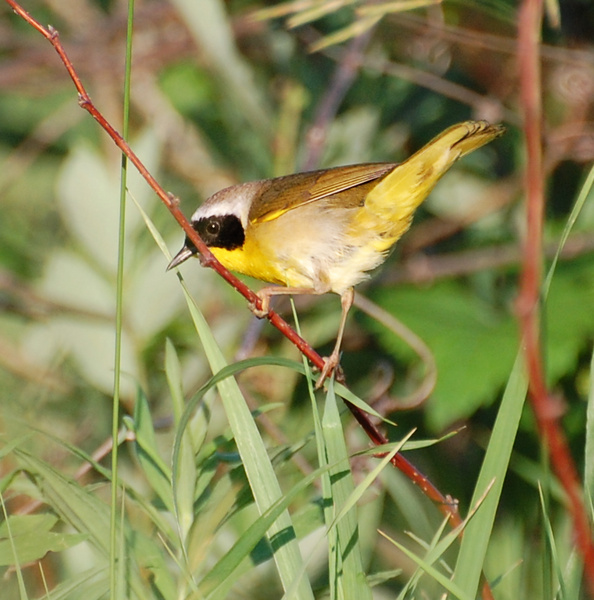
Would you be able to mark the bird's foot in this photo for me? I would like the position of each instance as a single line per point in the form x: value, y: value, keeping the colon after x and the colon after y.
x: 331, y: 367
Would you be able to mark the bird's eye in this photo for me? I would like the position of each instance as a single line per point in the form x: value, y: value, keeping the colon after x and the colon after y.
x: 220, y: 231
x: 213, y: 227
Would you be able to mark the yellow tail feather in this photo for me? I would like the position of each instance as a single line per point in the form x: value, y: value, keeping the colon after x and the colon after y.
x: 395, y: 199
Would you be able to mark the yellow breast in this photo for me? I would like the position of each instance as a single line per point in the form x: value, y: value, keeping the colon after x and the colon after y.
x: 253, y: 261
x: 309, y: 247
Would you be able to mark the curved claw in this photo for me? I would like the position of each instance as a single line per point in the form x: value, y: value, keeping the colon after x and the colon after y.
x: 258, y: 312
x: 331, y: 366
x: 265, y: 300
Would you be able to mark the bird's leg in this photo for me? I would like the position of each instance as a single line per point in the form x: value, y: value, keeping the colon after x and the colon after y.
x: 332, y: 362
x: 266, y: 293
x: 346, y: 300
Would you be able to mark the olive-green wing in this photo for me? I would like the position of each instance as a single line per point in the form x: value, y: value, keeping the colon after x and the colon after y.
x: 291, y: 191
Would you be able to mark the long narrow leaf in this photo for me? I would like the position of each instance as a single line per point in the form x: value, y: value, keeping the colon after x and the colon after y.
x: 477, y: 533
x: 184, y: 481
x: 155, y: 469
x: 349, y: 576
x: 81, y: 509
x: 219, y: 575
x: 258, y: 467
x: 448, y: 584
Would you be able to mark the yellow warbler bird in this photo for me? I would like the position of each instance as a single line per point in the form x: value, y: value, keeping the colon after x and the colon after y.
x: 322, y: 231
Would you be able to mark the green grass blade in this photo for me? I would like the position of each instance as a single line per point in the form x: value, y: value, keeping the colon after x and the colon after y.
x: 198, y: 397
x: 368, y: 480
x: 351, y: 397
x: 184, y: 482
x: 434, y: 551
x: 81, y: 509
x: 589, y: 445
x: 92, y: 584
x: 257, y: 465
x: 448, y: 584
x: 477, y: 533
x: 347, y: 574
x: 13, y: 552
x: 552, y: 545
x: 221, y: 575
x: 114, y: 559
x: 571, y: 220
x: 160, y: 522
x: 156, y: 471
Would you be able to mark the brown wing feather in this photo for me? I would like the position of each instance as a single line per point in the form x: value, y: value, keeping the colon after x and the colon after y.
x: 291, y: 191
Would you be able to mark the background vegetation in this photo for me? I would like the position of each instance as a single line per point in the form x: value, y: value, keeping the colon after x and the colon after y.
x: 224, y: 92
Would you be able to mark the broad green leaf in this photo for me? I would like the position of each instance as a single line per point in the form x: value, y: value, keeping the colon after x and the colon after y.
x: 568, y: 324
x: 30, y: 536
x: 84, y: 188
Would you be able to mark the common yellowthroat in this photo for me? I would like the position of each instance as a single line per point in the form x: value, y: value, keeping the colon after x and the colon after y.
x: 323, y: 231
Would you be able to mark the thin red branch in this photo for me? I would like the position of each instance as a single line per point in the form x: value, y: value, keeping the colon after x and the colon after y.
x: 445, y: 504
x: 544, y: 405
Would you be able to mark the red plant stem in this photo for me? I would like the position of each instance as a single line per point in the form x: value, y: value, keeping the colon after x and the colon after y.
x: 446, y: 505
x: 544, y: 405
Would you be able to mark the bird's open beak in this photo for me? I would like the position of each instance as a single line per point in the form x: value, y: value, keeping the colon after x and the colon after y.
x: 183, y: 255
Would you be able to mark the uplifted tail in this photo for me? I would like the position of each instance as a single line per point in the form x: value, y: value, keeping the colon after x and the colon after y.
x: 464, y: 138
x: 395, y: 199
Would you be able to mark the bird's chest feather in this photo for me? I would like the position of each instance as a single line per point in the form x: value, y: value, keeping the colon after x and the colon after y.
x: 314, y: 247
